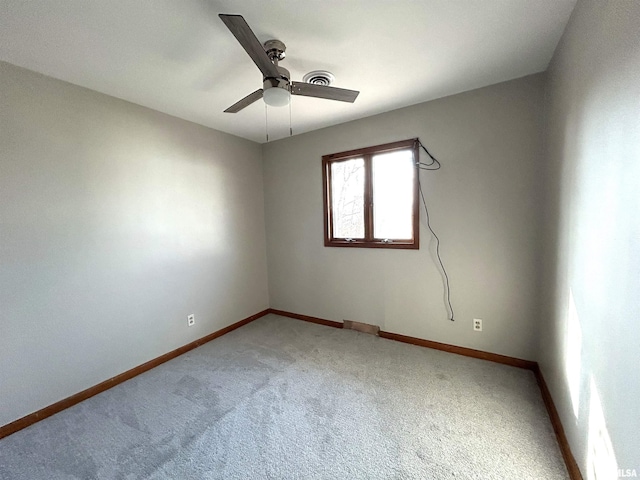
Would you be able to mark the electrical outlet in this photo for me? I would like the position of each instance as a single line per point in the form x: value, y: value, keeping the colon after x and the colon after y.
x: 191, y: 319
x: 477, y: 324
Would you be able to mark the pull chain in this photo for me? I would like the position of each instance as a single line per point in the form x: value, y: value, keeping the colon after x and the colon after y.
x: 290, y: 128
x: 266, y: 121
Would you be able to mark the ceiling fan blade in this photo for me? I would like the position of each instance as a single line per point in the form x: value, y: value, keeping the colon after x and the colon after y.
x: 321, y: 91
x: 245, y: 102
x: 248, y: 40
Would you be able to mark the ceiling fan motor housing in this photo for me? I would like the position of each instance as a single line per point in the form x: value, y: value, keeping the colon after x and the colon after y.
x: 275, y: 50
x: 282, y: 81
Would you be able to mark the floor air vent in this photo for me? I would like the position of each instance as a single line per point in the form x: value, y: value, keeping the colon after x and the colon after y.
x: 361, y: 327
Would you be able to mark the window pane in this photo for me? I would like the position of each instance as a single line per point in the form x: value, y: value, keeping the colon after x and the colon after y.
x: 393, y: 195
x: 347, y: 198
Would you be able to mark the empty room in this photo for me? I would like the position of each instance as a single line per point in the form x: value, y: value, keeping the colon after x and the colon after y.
x: 304, y: 239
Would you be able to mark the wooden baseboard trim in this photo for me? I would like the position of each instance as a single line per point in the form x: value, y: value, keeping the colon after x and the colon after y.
x: 467, y: 352
x: 307, y: 318
x: 65, y: 403
x: 563, y: 443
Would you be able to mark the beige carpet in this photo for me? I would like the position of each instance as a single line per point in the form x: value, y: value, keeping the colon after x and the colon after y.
x: 285, y: 399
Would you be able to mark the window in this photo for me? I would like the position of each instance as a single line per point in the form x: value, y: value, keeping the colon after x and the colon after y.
x: 371, y: 197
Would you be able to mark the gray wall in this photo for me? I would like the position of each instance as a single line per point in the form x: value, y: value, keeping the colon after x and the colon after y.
x: 590, y: 336
x: 115, y: 223
x: 483, y: 205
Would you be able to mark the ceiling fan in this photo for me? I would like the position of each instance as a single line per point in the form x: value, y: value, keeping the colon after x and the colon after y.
x: 277, y: 85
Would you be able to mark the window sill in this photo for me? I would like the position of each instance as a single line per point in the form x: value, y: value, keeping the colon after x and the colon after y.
x: 377, y: 244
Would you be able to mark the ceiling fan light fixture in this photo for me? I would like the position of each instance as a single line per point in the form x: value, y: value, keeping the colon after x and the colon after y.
x: 276, y: 96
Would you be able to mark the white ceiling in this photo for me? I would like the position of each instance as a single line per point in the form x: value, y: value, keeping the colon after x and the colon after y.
x: 176, y: 56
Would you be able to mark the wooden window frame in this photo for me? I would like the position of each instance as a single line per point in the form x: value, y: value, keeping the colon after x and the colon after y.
x: 369, y: 241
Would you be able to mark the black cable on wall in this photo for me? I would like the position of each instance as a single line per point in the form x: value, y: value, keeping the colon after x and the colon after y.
x: 434, y: 165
